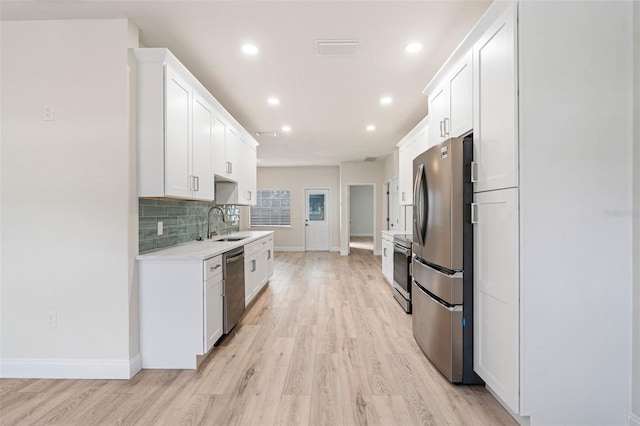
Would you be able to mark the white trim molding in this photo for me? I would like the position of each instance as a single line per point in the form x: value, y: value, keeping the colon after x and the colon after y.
x: 335, y: 248
x: 70, y: 368
x: 634, y: 420
x: 288, y: 249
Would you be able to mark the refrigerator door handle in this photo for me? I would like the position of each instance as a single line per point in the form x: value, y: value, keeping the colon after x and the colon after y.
x: 418, y: 213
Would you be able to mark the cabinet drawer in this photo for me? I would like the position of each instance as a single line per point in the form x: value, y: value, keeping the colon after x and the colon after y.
x: 255, y: 246
x: 212, y: 267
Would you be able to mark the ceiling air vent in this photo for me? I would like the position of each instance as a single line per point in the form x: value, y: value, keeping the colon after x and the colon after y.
x: 337, y: 47
x: 370, y: 158
x: 261, y: 134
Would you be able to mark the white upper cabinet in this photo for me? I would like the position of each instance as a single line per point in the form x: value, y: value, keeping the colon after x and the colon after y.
x: 495, y: 121
x: 226, y: 163
x: 202, y: 149
x: 219, y: 147
x: 247, y: 173
x: 177, y: 144
x: 413, y: 144
x: 451, y: 104
x: 187, y: 139
x: 405, y: 172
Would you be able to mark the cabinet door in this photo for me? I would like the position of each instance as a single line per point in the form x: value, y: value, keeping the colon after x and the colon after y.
x: 495, y: 113
x: 496, y: 292
x: 405, y: 173
x: 460, y: 120
x: 270, y: 258
x: 213, y: 316
x: 231, y: 152
x: 387, y: 259
x: 202, y: 145
x: 177, y: 135
x: 247, y: 174
x: 438, y: 107
x: 219, y: 147
x: 250, y: 277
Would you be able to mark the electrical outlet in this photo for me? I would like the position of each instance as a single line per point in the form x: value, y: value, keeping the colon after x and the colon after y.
x: 52, y: 319
x: 160, y: 228
x: 48, y: 113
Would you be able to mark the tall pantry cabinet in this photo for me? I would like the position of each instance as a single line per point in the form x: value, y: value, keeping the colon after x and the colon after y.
x: 551, y: 96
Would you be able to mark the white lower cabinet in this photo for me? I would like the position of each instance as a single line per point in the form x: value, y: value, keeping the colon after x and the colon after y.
x: 258, y: 266
x: 496, y: 292
x: 387, y: 258
x: 180, y: 311
x: 213, y: 304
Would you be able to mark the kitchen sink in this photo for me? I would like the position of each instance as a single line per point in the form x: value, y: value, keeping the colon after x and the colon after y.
x: 232, y: 239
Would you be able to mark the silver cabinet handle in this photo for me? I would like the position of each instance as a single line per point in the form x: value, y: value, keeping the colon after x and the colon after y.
x: 197, y: 182
x: 404, y: 196
x: 441, y: 130
x: 446, y: 126
x: 268, y: 254
x: 253, y: 266
x: 192, y: 183
x: 384, y: 252
x: 248, y: 195
x: 474, y: 212
x: 474, y: 171
x: 213, y: 268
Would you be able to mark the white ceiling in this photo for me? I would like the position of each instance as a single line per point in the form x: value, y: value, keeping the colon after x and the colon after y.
x: 328, y: 101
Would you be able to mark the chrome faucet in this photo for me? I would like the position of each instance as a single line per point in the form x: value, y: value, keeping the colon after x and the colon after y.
x: 224, y: 219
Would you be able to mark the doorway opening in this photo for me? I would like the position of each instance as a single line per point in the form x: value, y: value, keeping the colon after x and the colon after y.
x: 362, y: 218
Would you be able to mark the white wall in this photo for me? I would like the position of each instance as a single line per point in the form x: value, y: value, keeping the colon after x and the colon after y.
x: 69, y: 233
x: 296, y: 179
x: 357, y: 173
x: 361, y: 210
x: 575, y: 199
x: 636, y: 220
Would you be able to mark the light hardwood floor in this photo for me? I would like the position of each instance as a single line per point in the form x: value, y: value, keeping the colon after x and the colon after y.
x: 324, y: 344
x: 361, y: 243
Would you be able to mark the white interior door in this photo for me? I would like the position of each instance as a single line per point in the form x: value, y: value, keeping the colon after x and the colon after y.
x: 316, y: 220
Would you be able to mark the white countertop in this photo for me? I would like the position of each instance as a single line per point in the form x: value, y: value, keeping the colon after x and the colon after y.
x: 392, y: 233
x: 201, y: 250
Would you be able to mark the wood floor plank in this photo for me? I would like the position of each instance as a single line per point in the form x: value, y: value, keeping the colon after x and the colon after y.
x: 294, y: 410
x: 326, y: 407
x: 324, y: 343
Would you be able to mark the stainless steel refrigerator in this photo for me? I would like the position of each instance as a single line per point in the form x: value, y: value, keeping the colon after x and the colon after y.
x: 442, y: 262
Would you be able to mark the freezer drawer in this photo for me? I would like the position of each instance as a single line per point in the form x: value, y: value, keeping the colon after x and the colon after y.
x: 447, y: 287
x: 438, y: 331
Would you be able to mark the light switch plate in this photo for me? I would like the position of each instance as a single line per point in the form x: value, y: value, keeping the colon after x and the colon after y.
x: 160, y: 228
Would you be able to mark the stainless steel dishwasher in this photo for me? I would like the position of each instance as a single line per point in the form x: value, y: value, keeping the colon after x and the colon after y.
x: 233, y: 275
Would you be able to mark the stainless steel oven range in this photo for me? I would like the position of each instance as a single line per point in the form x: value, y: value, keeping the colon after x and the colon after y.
x: 402, y: 270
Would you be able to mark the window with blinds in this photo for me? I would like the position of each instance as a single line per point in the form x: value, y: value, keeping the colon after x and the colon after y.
x: 273, y: 208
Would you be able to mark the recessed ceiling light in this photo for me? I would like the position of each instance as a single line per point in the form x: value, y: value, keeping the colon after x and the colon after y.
x: 371, y: 128
x: 286, y: 128
x: 273, y: 101
x: 249, y: 49
x: 413, y: 47
x: 386, y: 100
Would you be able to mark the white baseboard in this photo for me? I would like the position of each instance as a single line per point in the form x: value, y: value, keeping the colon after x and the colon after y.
x: 70, y: 368
x: 377, y: 253
x: 522, y: 421
x: 344, y: 253
x: 365, y: 234
x: 634, y: 420
x: 288, y: 249
x: 300, y: 249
